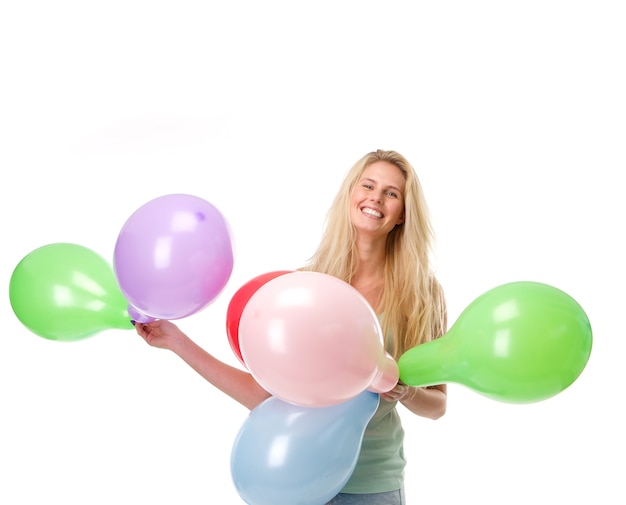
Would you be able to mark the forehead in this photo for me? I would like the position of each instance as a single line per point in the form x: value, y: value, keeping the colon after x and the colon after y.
x: 385, y: 173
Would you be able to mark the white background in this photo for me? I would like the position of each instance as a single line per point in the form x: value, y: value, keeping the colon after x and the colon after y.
x: 511, y: 112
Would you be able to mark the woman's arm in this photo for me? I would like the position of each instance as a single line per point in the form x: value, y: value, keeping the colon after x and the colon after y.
x: 429, y: 402
x: 236, y: 383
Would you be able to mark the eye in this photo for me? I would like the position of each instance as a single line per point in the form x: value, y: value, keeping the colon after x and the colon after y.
x: 392, y: 194
x: 367, y: 185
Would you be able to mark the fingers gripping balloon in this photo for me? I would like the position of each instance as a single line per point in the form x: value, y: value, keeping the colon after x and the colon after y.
x: 173, y: 257
x: 520, y: 342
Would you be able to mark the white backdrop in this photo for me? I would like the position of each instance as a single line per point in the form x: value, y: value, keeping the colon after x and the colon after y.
x: 513, y: 115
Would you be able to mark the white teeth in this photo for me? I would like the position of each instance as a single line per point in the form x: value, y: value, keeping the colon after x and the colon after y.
x: 372, y: 212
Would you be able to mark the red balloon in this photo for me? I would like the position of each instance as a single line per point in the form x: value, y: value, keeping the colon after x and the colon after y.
x: 237, y: 304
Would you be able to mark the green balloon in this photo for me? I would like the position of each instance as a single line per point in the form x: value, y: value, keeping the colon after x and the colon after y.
x: 67, y: 292
x: 520, y: 342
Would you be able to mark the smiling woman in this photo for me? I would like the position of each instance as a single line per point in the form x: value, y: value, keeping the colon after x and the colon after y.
x: 377, y: 239
x: 381, y: 247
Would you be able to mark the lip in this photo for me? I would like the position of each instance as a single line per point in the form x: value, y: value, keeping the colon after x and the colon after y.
x: 366, y: 207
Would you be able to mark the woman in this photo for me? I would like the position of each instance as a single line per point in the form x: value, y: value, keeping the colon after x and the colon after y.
x: 378, y: 238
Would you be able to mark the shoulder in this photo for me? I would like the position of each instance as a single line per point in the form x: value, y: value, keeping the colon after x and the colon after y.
x: 439, y: 308
x: 436, y: 289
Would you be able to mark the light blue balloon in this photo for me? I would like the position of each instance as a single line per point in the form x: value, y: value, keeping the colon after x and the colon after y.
x: 286, y: 454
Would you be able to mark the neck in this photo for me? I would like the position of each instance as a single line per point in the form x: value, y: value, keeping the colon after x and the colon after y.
x: 371, y: 258
x: 369, y: 277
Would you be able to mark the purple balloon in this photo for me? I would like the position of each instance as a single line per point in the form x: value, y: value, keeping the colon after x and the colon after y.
x: 138, y: 316
x: 173, y: 256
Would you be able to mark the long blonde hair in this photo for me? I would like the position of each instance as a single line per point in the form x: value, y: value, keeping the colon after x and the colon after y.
x: 413, y: 305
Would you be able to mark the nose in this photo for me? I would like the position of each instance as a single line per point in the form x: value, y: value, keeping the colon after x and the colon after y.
x: 376, y: 197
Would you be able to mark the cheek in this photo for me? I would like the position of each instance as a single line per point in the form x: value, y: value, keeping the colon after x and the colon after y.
x: 353, y: 200
x: 398, y: 213
x: 357, y: 196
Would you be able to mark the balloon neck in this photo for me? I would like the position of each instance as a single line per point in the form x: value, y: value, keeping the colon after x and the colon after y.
x: 387, y: 375
x: 430, y: 363
x: 138, y: 316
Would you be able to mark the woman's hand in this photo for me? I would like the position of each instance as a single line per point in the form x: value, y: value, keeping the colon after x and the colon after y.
x: 159, y: 333
x: 398, y: 393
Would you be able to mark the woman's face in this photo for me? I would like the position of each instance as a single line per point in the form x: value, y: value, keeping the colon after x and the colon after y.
x: 377, y: 203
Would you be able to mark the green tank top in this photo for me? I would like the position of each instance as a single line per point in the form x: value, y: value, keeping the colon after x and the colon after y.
x: 380, y: 465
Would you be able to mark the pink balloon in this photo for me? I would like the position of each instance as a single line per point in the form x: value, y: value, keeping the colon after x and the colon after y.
x: 387, y: 375
x: 313, y: 340
x: 173, y: 257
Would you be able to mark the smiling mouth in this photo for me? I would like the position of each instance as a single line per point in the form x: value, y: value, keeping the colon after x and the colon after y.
x: 371, y: 212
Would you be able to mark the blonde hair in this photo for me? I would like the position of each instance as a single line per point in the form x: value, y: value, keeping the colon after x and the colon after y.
x: 413, y: 306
